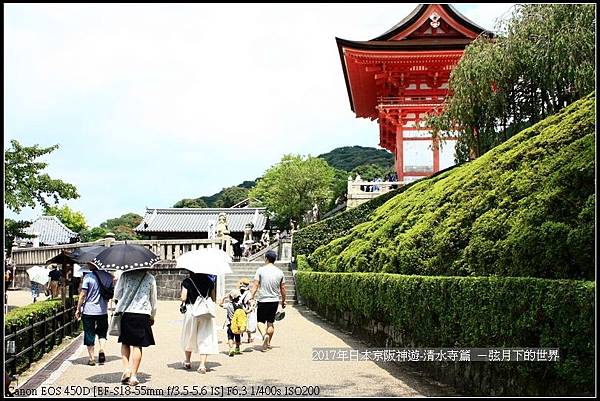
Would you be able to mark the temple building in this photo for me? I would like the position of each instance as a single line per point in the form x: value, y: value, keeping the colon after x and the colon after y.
x: 402, y: 75
x: 201, y: 223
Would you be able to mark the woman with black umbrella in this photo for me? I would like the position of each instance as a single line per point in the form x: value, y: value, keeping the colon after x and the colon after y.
x: 136, y: 297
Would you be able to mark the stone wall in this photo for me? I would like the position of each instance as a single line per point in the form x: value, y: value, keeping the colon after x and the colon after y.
x: 168, y: 280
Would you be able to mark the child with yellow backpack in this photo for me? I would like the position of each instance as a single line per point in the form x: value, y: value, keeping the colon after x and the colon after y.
x: 236, y: 320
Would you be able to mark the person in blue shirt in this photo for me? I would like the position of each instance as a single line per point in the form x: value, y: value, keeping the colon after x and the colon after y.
x: 93, y: 311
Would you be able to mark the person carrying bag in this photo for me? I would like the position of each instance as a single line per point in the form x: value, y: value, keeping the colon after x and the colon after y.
x: 115, y: 321
x: 203, y: 307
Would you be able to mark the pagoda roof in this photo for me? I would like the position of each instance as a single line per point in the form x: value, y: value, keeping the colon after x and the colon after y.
x: 419, y: 11
x: 411, y: 34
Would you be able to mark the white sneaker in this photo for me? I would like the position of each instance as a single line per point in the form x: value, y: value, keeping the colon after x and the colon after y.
x: 266, y: 339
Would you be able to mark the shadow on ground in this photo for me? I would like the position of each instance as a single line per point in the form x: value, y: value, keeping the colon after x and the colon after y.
x: 420, y: 381
x: 195, y: 365
x: 115, y: 378
x: 84, y: 360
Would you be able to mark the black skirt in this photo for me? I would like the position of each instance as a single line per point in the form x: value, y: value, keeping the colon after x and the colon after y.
x: 136, y: 330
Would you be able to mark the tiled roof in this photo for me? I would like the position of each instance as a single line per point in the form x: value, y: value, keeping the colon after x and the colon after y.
x: 190, y: 220
x: 51, y: 231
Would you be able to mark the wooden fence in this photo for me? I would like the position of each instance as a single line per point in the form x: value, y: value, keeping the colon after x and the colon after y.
x: 54, y: 329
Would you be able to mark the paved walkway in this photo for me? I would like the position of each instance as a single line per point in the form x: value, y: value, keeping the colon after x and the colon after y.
x: 289, y: 363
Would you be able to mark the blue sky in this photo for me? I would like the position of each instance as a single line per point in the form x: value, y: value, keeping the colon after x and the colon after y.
x: 152, y: 103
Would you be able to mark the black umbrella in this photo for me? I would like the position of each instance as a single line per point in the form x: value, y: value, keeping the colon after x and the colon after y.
x: 125, y: 257
x: 86, y: 254
x: 62, y: 258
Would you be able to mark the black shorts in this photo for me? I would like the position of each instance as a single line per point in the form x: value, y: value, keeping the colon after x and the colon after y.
x: 266, y: 312
x: 231, y: 336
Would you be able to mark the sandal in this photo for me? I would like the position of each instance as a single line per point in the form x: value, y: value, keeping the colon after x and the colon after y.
x: 91, y: 362
x: 187, y: 365
x: 133, y: 381
x: 125, y: 377
x: 202, y: 370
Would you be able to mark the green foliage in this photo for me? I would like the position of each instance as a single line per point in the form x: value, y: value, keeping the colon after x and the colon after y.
x: 526, y: 208
x: 370, y: 161
x: 192, y: 203
x: 543, y: 60
x: 14, y: 229
x: 291, y: 187
x: 93, y: 234
x: 123, y: 226
x: 307, y: 239
x: 231, y: 196
x: 474, y: 312
x: 74, y: 220
x: 347, y: 158
x: 370, y: 172
x: 24, y: 183
x: 20, y: 318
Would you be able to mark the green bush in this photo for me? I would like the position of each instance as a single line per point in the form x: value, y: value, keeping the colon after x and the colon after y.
x: 475, y: 312
x: 20, y: 318
x: 525, y: 208
x: 307, y: 239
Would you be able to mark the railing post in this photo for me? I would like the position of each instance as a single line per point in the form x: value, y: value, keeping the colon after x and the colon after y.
x: 14, y: 338
x: 54, y: 329
x: 32, y: 341
x: 44, y: 332
x: 63, y: 323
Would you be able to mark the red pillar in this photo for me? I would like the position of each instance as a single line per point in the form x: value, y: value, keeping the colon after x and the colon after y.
x: 399, y: 152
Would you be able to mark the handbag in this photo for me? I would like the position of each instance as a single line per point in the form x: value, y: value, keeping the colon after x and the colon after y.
x: 203, y: 307
x: 115, y: 321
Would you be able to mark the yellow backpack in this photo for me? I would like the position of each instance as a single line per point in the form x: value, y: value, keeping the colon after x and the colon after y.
x: 239, y: 321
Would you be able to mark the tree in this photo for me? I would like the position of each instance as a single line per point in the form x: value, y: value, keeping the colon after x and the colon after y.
x: 291, y: 187
x: 123, y: 226
x: 74, y: 220
x: 93, y: 234
x: 25, y: 185
x: 369, y: 172
x: 230, y: 196
x: 542, y: 60
x: 14, y: 229
x: 194, y: 203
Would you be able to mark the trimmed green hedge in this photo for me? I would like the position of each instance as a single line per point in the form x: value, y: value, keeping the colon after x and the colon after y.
x: 18, y: 319
x: 524, y: 209
x: 307, y: 239
x: 475, y: 312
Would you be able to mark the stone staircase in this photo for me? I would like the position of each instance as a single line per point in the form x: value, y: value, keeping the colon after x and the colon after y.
x: 248, y: 269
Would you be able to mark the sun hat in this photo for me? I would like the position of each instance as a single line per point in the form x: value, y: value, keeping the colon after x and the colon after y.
x: 244, y: 282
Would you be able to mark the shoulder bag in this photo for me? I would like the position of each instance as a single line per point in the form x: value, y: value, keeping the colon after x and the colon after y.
x: 203, y: 307
x: 115, y: 321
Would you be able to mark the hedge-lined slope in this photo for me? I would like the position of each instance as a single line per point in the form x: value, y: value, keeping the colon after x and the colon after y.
x: 470, y: 312
x: 526, y: 208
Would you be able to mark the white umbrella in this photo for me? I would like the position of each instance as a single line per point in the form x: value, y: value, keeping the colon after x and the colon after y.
x: 39, y: 274
x: 79, y: 271
x: 206, y: 260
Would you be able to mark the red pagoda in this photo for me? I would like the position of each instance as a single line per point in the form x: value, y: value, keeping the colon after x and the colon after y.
x: 401, y: 75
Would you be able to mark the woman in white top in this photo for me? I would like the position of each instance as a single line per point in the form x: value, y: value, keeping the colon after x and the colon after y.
x: 136, y: 297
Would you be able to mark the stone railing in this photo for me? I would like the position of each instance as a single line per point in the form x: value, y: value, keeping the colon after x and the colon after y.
x: 283, y: 248
x: 361, y: 191
x: 167, y: 250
